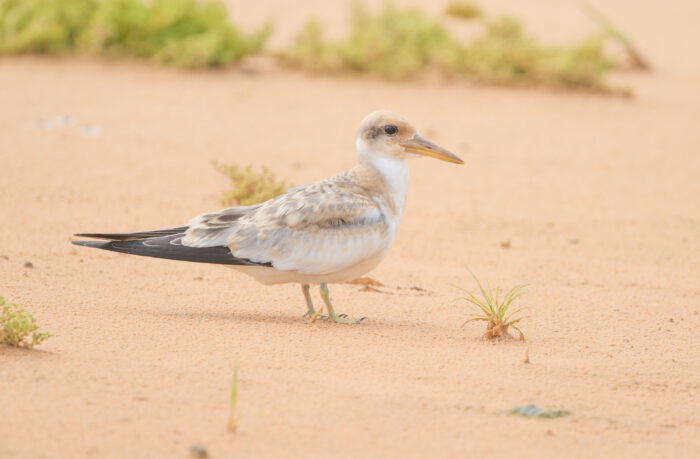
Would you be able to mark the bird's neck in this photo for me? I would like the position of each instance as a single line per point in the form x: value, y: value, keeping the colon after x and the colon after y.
x: 386, y: 176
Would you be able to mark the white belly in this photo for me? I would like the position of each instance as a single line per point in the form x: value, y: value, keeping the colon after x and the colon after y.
x: 267, y: 275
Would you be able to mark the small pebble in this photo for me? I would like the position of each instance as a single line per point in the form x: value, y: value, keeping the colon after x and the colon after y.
x: 28, y: 264
x: 44, y: 124
x: 534, y: 411
x: 91, y: 131
x: 198, y: 451
x: 65, y: 120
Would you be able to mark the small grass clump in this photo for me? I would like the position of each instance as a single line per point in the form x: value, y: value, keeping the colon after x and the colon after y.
x: 181, y: 33
x: 495, y: 311
x: 18, y: 327
x: 249, y: 187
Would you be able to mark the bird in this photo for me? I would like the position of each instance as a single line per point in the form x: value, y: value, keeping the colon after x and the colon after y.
x: 331, y: 231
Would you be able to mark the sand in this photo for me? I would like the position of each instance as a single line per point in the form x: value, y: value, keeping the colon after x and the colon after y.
x: 598, y: 196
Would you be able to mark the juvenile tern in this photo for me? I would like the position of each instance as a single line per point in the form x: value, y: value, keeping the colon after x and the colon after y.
x: 324, y: 232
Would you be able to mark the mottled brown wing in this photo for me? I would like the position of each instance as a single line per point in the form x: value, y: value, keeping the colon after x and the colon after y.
x: 319, y: 228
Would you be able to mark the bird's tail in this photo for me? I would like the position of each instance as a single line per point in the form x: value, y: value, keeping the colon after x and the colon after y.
x: 164, y: 244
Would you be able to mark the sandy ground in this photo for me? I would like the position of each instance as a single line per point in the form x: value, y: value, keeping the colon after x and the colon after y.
x: 598, y: 196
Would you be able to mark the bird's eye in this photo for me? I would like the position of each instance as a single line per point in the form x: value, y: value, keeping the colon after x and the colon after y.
x: 391, y: 129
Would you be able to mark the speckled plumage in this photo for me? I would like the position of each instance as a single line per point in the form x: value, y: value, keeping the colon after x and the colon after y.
x: 329, y: 231
x: 316, y: 229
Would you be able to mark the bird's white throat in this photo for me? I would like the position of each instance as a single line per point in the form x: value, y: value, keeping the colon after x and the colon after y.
x: 392, y: 169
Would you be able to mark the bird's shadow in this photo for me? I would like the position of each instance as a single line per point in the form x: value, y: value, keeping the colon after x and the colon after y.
x: 230, y: 316
x: 24, y: 352
x: 291, y: 319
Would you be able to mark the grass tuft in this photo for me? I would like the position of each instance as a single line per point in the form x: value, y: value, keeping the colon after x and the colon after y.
x: 496, y: 310
x: 181, y: 33
x: 18, y: 327
x: 464, y: 10
x: 249, y: 187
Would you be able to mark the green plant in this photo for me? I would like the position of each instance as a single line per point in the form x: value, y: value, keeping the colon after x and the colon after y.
x: 42, y: 26
x: 504, y: 54
x: 249, y: 187
x: 495, y: 311
x: 635, y: 59
x: 396, y: 44
x: 463, y: 10
x: 232, y: 421
x: 310, y: 51
x: 392, y: 43
x: 17, y: 325
x: 181, y: 33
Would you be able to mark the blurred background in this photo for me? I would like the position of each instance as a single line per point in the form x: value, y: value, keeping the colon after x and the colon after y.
x: 578, y: 123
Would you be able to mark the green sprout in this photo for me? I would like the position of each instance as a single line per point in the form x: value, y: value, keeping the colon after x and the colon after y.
x: 249, y: 187
x: 232, y: 420
x: 495, y: 311
x: 16, y: 326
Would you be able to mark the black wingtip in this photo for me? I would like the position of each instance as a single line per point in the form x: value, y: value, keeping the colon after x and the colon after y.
x: 134, y: 236
x: 170, y: 247
x: 97, y: 244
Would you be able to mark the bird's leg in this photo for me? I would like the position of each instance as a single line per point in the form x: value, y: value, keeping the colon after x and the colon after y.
x: 310, y: 311
x: 331, y: 312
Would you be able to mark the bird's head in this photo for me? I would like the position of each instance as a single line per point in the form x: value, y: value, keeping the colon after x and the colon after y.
x: 385, y: 132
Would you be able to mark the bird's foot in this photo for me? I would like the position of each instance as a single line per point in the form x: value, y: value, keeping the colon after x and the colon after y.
x: 343, y: 319
x: 339, y: 319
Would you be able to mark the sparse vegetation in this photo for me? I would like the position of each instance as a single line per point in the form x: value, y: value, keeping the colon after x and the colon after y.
x: 249, y: 187
x: 182, y: 33
x: 505, y: 54
x: 496, y: 311
x: 397, y: 43
x: 635, y: 60
x: 463, y: 10
x: 18, y: 327
x: 232, y: 420
x: 392, y: 43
